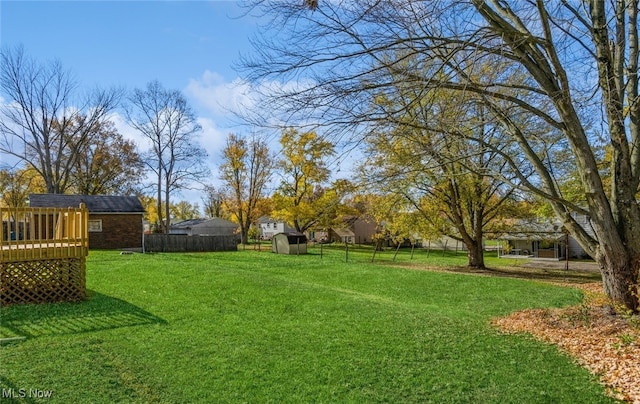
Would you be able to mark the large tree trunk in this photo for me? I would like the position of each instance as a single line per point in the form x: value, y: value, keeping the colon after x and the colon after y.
x: 616, y: 247
x: 244, y: 234
x: 474, y: 244
x: 619, y: 276
x: 619, y: 259
x: 475, y: 253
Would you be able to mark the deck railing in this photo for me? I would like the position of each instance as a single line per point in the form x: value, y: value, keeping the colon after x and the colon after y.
x: 43, y: 233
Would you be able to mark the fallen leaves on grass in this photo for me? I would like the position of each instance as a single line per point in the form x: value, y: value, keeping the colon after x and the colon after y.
x: 607, y: 344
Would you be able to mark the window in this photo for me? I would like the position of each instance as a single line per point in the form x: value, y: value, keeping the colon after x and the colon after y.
x: 95, y: 225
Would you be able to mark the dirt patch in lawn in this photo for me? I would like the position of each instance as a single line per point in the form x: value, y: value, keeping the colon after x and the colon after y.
x: 544, y: 270
x: 606, y: 343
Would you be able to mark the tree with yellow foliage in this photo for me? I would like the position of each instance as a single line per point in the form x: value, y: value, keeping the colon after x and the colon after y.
x: 17, y: 184
x: 246, y: 171
x: 303, y: 198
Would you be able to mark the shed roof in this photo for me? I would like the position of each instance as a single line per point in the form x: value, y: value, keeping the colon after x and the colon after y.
x: 94, y: 203
x: 292, y: 238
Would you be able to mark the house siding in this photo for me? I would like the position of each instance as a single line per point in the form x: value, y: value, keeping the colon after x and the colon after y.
x: 271, y: 227
x: 575, y: 249
x: 364, y: 230
x: 118, y: 231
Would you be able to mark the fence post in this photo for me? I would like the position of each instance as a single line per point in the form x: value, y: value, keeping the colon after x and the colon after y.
x: 346, y: 247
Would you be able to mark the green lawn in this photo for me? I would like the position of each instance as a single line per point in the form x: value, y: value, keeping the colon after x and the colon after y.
x: 257, y: 327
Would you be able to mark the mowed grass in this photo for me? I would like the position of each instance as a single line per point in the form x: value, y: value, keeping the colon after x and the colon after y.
x: 257, y: 327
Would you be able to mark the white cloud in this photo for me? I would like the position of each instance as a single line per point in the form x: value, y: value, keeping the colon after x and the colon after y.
x: 218, y: 96
x: 226, y: 101
x: 212, y: 139
x: 128, y: 132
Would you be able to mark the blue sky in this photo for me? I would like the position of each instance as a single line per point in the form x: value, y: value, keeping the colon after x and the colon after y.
x: 130, y: 42
x: 186, y: 45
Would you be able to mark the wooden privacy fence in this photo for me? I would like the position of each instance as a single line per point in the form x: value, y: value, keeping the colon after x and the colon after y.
x: 42, y: 254
x: 183, y: 243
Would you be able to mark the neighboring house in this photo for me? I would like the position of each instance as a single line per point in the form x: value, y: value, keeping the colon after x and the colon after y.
x: 575, y: 250
x: 364, y: 228
x: 543, y: 239
x: 289, y: 243
x: 341, y: 235
x: 205, y: 227
x: 356, y: 229
x: 115, y: 222
x: 269, y: 227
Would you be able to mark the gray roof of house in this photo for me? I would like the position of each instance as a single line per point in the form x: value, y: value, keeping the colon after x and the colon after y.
x: 534, y: 230
x: 343, y: 232
x: 94, y: 203
x: 186, y: 224
x: 196, y: 223
x: 267, y: 219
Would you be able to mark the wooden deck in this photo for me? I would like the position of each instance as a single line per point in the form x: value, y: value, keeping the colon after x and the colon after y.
x: 43, y: 233
x: 42, y: 254
x: 41, y: 251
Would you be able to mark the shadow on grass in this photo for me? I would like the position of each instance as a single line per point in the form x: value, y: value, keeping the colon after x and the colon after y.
x: 551, y: 275
x: 98, y: 312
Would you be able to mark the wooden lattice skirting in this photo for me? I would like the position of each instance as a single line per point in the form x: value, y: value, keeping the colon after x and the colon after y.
x: 43, y: 281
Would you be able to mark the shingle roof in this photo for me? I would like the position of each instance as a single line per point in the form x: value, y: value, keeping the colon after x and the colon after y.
x: 94, y: 203
x: 343, y: 232
x: 534, y: 230
x: 186, y: 224
x: 194, y: 223
x: 267, y: 219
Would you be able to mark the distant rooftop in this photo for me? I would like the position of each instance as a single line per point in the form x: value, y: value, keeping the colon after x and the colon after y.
x: 193, y: 223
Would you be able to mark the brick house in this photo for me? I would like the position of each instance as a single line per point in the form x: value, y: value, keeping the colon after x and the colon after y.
x: 115, y: 222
